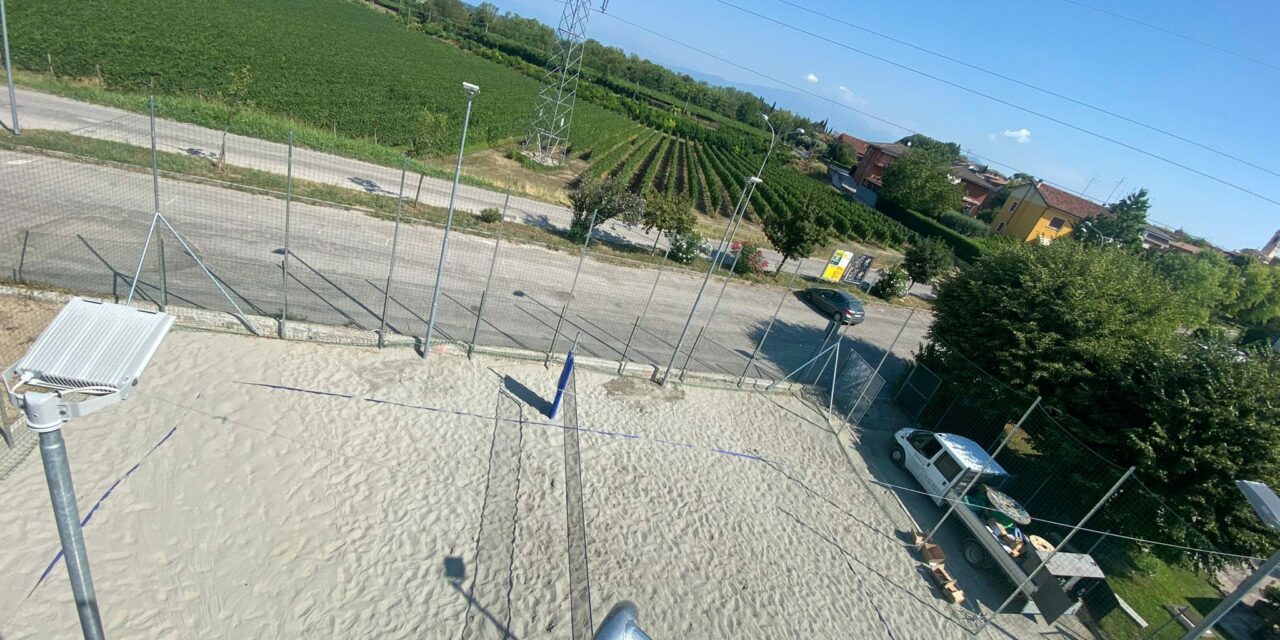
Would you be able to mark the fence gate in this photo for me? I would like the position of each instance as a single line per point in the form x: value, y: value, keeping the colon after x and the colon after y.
x: 917, y: 390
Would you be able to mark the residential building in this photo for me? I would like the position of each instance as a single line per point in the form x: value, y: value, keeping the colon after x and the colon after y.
x: 1162, y: 239
x: 840, y: 178
x: 858, y: 148
x: 870, y: 172
x: 1040, y: 212
x: 1272, y: 251
x: 977, y: 189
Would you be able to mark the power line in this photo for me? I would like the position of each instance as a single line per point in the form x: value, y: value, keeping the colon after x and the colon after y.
x: 805, y: 91
x: 1175, y: 34
x: 1034, y: 87
x: 1009, y: 104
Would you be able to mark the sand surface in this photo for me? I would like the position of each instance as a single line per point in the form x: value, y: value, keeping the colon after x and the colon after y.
x: 257, y: 488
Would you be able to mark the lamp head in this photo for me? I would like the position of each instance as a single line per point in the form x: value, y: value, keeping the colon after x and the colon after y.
x: 471, y: 89
x: 754, y: 180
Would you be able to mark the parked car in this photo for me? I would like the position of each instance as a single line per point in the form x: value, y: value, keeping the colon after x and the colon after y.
x: 838, y: 305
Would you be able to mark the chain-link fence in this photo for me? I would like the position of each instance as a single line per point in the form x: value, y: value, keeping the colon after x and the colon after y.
x: 1011, y: 486
x: 306, y: 237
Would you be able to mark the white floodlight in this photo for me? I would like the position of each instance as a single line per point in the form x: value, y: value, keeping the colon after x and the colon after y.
x: 471, y: 88
x: 754, y: 180
x: 89, y: 357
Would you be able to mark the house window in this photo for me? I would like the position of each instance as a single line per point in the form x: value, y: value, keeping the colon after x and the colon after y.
x: 1013, y: 206
x: 1057, y: 223
x: 1000, y: 227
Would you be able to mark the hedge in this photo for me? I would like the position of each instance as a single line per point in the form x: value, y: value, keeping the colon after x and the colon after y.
x: 966, y: 248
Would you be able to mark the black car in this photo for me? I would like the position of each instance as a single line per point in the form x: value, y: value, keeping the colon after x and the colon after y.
x: 838, y: 305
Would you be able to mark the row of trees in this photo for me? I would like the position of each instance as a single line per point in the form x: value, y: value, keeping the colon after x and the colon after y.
x: 1101, y: 334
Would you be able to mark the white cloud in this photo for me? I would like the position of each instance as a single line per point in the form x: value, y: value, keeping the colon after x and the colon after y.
x: 1021, y: 136
x: 848, y: 97
x: 811, y: 79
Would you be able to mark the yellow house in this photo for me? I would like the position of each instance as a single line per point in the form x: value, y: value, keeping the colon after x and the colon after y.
x: 1039, y: 212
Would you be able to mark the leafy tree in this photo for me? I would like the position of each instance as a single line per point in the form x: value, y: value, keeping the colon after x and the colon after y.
x: 603, y: 200
x: 236, y: 98
x: 686, y: 246
x: 1207, y: 283
x: 485, y: 14
x: 928, y: 259
x: 1259, y: 299
x: 795, y: 231
x: 840, y: 154
x: 1123, y: 221
x: 1210, y: 418
x: 668, y: 213
x: 892, y: 284
x: 431, y: 135
x: 1048, y: 319
x: 950, y: 151
x: 919, y: 181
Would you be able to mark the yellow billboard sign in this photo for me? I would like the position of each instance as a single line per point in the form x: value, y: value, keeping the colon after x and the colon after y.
x: 835, y: 267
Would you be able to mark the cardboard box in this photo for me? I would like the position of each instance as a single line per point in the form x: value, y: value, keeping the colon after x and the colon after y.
x: 931, y: 554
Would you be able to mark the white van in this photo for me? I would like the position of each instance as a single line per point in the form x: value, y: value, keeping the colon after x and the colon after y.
x: 943, y: 461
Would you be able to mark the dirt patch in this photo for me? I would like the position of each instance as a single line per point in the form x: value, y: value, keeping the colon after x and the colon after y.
x: 548, y: 185
x: 641, y: 388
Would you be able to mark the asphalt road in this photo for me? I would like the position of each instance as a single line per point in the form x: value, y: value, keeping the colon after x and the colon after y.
x: 82, y: 224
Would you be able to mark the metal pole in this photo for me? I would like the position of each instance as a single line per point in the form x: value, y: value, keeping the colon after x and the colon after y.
x: 444, y: 244
x: 22, y: 258
x: 217, y: 283
x: 806, y: 364
x: 986, y: 465
x: 573, y: 286
x: 728, y: 229
x: 288, y: 217
x: 835, y: 374
x: 715, y: 307
x: 1114, y: 488
x: 155, y: 190
x: 755, y: 352
x: 1263, y: 572
x: 391, y: 264
x: 488, y: 281
x: 164, y: 277
x: 44, y: 419
x: 8, y: 71
x: 622, y: 368
x: 880, y: 364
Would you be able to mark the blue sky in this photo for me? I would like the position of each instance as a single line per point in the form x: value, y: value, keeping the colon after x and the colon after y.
x: 1201, y: 93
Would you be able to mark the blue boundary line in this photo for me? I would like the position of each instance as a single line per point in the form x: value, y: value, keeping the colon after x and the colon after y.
x: 466, y: 414
x: 94, y: 509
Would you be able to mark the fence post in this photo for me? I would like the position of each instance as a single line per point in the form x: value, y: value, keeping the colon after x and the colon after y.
x: 488, y: 281
x: 755, y: 352
x: 990, y: 459
x: 880, y: 364
x: 391, y: 264
x: 22, y: 257
x: 284, y: 266
x: 1031, y: 576
x: 715, y: 307
x: 164, y: 277
x: 622, y: 367
x: 155, y: 190
x: 582, y: 256
x: 8, y: 70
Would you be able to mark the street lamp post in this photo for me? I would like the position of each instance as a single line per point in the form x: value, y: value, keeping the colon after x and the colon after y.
x: 8, y: 70
x: 729, y: 230
x: 1267, y: 506
x: 471, y: 90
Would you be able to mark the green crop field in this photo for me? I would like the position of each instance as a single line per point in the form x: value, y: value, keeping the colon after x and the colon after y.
x: 325, y: 63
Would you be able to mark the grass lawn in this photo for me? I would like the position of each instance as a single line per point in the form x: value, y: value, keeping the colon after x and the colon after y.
x: 1147, y: 584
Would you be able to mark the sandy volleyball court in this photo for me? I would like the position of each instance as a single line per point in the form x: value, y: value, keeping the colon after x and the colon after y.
x: 258, y: 488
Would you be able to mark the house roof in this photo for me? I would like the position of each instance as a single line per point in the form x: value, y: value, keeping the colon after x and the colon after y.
x: 968, y: 175
x: 894, y: 149
x: 1072, y: 204
x: 859, y: 146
